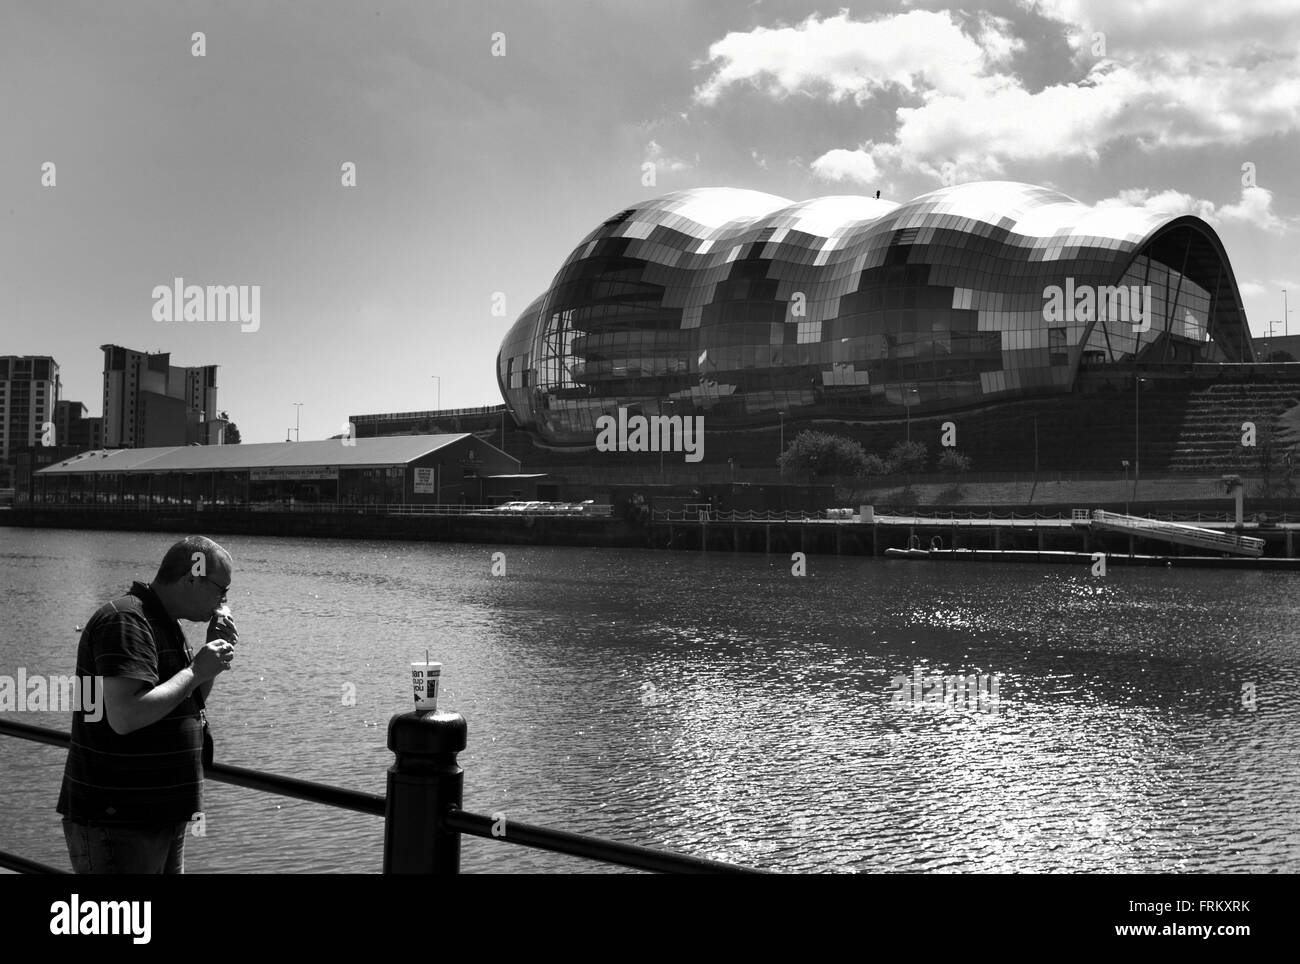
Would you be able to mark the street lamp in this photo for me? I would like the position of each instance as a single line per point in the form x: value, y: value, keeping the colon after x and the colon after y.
x: 907, y: 408
x: 1273, y: 323
x: 297, y: 422
x: 667, y: 401
x: 781, y: 415
x: 1137, y: 427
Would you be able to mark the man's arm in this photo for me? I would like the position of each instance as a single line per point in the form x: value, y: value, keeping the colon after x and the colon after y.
x: 130, y: 704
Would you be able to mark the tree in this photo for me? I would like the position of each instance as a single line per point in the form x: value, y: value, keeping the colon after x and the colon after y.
x: 231, y: 436
x: 954, y: 465
x: 907, y: 457
x: 952, y: 462
x: 875, y: 465
x: 1276, y: 469
x: 820, y: 454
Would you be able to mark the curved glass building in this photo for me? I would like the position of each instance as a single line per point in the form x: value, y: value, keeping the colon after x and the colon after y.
x: 738, y: 305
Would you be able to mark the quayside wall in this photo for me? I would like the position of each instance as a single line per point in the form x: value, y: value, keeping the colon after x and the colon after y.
x: 723, y: 532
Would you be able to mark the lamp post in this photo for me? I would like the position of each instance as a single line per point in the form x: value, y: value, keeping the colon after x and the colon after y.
x: 1137, y: 428
x: 673, y: 403
x: 1035, y: 448
x: 1124, y: 463
x: 907, y: 408
x: 781, y: 416
x: 297, y: 422
x: 1267, y: 337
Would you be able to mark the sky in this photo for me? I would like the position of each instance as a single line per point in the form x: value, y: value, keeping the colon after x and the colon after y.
x: 487, y: 138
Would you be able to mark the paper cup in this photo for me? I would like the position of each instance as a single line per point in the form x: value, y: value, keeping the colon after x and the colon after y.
x: 424, y: 681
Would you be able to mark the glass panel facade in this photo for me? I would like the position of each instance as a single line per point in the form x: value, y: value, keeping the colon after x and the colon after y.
x: 733, y: 304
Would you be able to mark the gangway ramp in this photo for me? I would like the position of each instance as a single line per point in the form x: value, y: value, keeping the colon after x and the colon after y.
x: 1177, y: 532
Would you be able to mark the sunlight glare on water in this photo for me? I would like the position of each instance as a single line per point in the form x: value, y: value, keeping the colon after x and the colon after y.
x: 716, y: 705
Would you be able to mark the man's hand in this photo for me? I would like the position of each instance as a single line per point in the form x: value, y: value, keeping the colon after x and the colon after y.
x: 130, y: 704
x: 222, y: 627
x: 211, y: 661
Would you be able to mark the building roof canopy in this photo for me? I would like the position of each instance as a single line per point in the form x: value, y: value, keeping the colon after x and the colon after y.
x: 386, y: 451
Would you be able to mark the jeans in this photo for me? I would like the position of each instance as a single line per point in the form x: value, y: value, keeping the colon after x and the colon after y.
x: 112, y: 849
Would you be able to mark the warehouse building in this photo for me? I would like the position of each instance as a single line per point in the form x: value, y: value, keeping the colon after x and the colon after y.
x: 399, y: 470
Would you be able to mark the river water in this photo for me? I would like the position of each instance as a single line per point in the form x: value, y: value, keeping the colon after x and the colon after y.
x: 718, y: 705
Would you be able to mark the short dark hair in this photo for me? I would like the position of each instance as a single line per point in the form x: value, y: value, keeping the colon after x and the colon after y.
x: 179, y: 560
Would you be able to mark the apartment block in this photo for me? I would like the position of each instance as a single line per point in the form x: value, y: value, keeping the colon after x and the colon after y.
x: 74, y: 426
x: 150, y: 402
x: 29, y: 393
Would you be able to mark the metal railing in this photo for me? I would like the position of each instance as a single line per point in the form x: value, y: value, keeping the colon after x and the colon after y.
x: 885, y: 516
x: 423, y: 818
x: 716, y: 515
x: 435, y: 413
x: 1174, y: 532
x: 333, y: 508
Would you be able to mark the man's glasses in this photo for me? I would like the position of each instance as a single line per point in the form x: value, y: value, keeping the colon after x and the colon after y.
x: 224, y: 589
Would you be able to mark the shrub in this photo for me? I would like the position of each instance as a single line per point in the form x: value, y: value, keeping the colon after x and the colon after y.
x: 907, y: 457
x: 820, y: 454
x: 952, y: 462
x: 875, y: 465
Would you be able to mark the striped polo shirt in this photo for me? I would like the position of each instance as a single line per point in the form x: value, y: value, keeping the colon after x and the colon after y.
x: 154, y: 774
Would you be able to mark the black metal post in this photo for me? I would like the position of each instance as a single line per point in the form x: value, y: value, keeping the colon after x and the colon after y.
x: 424, y: 784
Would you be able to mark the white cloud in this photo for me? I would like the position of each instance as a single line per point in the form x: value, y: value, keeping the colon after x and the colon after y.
x: 1251, y: 289
x: 1165, y: 203
x: 656, y: 155
x: 961, y: 105
x: 838, y: 57
x: 841, y: 165
x: 1254, y: 209
x: 1172, y: 24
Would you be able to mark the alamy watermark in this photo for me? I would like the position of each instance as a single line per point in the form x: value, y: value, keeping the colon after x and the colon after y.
x: 1126, y: 303
x: 975, y: 692
x: 53, y: 694
x: 654, y: 433
x: 182, y: 302
x: 74, y: 916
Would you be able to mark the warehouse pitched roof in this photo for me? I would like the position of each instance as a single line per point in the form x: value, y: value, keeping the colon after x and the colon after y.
x: 363, y: 453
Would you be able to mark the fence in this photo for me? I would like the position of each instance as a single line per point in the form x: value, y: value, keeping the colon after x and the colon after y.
x: 340, y: 508
x: 883, y: 514
x: 1187, y: 535
x: 423, y: 818
x: 431, y: 413
x: 715, y: 474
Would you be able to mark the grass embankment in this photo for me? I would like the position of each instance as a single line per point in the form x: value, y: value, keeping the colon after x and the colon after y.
x: 1026, y: 494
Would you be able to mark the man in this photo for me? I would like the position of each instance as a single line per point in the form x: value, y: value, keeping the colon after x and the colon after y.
x: 134, y: 779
